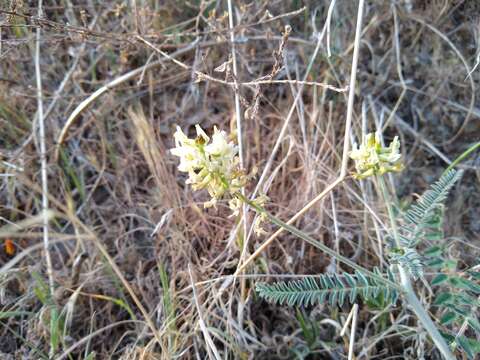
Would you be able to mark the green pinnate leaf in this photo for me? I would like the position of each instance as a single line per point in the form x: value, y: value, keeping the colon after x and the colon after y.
x: 443, y: 298
x: 439, y: 279
x: 448, y: 318
x: 467, y: 346
x: 334, y: 289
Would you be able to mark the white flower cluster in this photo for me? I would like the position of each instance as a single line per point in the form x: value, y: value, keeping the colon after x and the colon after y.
x: 371, y: 158
x: 210, y: 165
x: 214, y: 165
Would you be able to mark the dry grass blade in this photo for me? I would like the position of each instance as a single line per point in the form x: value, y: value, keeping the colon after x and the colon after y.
x: 91, y: 94
x: 467, y: 70
x: 346, y: 145
x: 43, y: 156
x: 109, y: 86
x: 212, y: 350
x: 144, y: 136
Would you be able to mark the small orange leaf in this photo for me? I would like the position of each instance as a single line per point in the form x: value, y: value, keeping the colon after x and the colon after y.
x: 9, y: 247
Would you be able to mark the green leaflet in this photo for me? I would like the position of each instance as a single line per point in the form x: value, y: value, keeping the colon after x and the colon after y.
x: 334, y: 289
x: 423, y: 221
x: 423, y: 218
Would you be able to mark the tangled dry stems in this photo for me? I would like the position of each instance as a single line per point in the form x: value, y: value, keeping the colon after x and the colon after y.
x: 115, y: 182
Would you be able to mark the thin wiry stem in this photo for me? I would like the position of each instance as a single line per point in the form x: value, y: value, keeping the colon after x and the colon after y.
x: 43, y: 156
x: 238, y: 112
x: 284, y: 128
x: 346, y: 144
x: 201, y: 76
x: 43, y: 165
x: 293, y: 230
x: 462, y: 156
x: 238, y: 118
x: 212, y: 350
x: 105, y: 88
x: 351, y: 342
x: 267, y: 242
x: 351, y: 90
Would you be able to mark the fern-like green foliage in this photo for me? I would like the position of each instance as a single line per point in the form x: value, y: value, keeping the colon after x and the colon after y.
x: 423, y: 220
x: 332, y: 288
x: 424, y: 215
x: 409, y: 259
x: 457, y: 300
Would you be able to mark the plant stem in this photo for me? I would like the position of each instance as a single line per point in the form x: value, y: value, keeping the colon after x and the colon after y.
x: 462, y: 156
x: 408, y: 291
x: 318, y: 244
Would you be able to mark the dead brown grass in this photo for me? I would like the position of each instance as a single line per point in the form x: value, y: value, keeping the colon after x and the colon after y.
x: 114, y: 186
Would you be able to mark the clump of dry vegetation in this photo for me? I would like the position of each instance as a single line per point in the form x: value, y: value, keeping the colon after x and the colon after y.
x: 108, y: 253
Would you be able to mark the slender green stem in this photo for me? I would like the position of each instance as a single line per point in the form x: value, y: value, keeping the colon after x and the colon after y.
x: 463, y: 156
x: 391, y: 215
x: 318, y: 244
x: 408, y: 291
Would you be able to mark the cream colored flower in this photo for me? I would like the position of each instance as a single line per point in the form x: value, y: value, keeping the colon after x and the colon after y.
x: 235, y: 205
x: 210, y: 165
x: 373, y: 159
x: 213, y: 164
x: 262, y: 217
x: 189, y: 150
x: 220, y: 149
x: 258, y: 224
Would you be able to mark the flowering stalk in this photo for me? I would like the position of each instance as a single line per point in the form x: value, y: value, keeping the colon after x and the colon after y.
x: 372, y: 159
x: 293, y: 230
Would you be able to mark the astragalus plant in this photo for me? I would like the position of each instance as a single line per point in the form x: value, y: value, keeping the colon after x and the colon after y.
x: 213, y: 165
